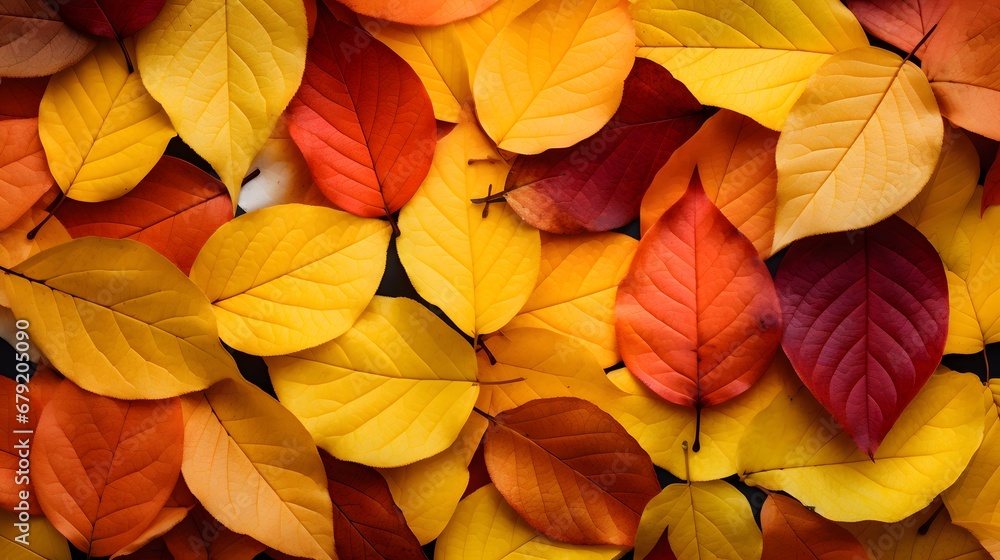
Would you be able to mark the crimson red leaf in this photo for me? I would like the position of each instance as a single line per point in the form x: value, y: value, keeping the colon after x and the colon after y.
x: 991, y: 186
x: 21, y: 97
x: 597, y: 185
x: 114, y: 19
x: 366, y: 522
x: 697, y: 316
x: 174, y: 209
x: 362, y: 119
x: 866, y: 317
x: 570, y: 470
x: 899, y: 22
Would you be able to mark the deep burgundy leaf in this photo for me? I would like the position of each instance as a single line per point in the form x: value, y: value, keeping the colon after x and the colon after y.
x: 991, y: 186
x: 20, y: 97
x: 113, y: 19
x: 597, y: 185
x: 866, y: 318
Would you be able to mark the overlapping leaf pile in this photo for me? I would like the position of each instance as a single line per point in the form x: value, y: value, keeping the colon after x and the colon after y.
x: 403, y: 213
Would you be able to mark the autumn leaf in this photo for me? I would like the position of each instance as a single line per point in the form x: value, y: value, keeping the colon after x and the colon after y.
x: 24, y: 173
x: 15, y: 247
x: 42, y: 385
x: 112, y: 19
x: 199, y: 536
x: 176, y: 509
x: 792, y: 530
x: 886, y: 287
x: 309, y: 293
x: 735, y: 160
x: 242, y: 447
x: 478, y: 266
x: 21, y: 97
x: 575, y: 293
x: 697, y: 331
x: 42, y: 44
x: 903, y: 24
x: 703, y: 521
x: 45, y: 542
x: 568, y: 97
x: 230, y: 97
x: 795, y: 446
x: 925, y: 535
x: 882, y: 137
x: 754, y: 59
x: 477, y: 32
x: 960, y: 60
x: 174, y: 209
x: 550, y: 457
x: 101, y: 129
x: 283, y: 178
x: 434, y: 12
x: 991, y: 188
x: 363, y: 122
x: 485, y: 526
x: 128, y: 451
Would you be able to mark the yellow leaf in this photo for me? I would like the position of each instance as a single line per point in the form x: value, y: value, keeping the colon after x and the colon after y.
x: 224, y: 70
x: 795, y: 446
x: 395, y: 388
x: 429, y: 490
x: 703, y: 520
x: 479, y: 270
x: 575, y: 294
x: 15, y: 247
x: 485, y: 526
x: 45, y: 542
x: 662, y: 427
x: 972, y: 500
x: 555, y: 75
x: 101, y: 130
x: 926, y: 535
x: 965, y: 336
x: 858, y: 146
x: 751, y: 57
x: 255, y: 469
x: 118, y: 319
x: 478, y: 31
x: 290, y: 277
x: 435, y: 54
x: 284, y: 176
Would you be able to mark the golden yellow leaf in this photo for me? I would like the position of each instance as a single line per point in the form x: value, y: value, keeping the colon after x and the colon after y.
x: 429, y: 490
x: 753, y: 58
x: 972, y: 500
x: 255, y: 469
x: 479, y: 270
x: 576, y: 288
x: 224, y: 70
x: 485, y: 526
x: 703, y: 520
x: 555, y: 75
x: 101, y: 130
x: 44, y: 541
x: 119, y: 319
x: 478, y: 31
x: 858, y: 146
x: 15, y: 247
x: 795, y: 446
x: 926, y: 535
x: 395, y: 388
x: 290, y: 277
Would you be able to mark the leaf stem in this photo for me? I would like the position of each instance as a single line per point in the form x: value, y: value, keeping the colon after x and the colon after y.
x: 927, y: 524
x: 51, y: 212
x: 484, y: 415
x: 921, y: 42
x: 482, y: 344
x: 502, y: 381
x: 986, y: 360
x: 696, y: 447
x: 392, y: 220
x: 687, y: 462
x: 491, y: 197
x: 128, y: 59
x: 250, y: 177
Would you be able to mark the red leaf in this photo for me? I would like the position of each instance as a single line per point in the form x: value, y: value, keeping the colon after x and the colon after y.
x: 96, y: 457
x: 697, y: 316
x: 201, y: 537
x: 902, y: 23
x: 24, y: 171
x: 866, y: 317
x: 363, y: 121
x: 174, y: 209
x: 597, y: 185
x: 366, y: 522
x: 571, y: 471
x: 21, y: 97
x: 113, y: 19
x: 792, y: 531
x: 41, y: 386
x: 991, y: 186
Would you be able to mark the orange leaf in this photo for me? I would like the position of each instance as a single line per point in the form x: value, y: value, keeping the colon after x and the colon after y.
x: 735, y: 158
x: 902, y: 23
x: 425, y: 12
x: 570, y: 470
x: 698, y: 318
x: 792, y: 531
x: 103, y: 468
x: 174, y: 209
x: 201, y: 537
x: 43, y: 383
x: 24, y: 172
x: 180, y: 502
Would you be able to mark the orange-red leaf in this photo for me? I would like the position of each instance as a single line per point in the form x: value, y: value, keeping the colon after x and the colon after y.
x: 903, y: 23
x: 201, y: 537
x: 362, y: 119
x: 24, y: 172
x: 366, y: 522
x: 698, y: 319
x: 571, y: 471
x: 21, y: 97
x: 735, y: 159
x: 103, y: 468
x: 43, y: 383
x: 174, y: 209
x: 792, y: 531
x: 424, y: 12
